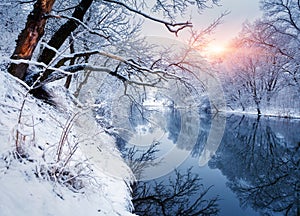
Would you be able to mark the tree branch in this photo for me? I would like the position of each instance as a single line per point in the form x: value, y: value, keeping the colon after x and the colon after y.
x: 172, y: 27
x: 91, y: 31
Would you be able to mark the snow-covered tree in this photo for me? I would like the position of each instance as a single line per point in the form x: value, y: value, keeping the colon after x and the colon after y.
x: 70, y: 34
x: 254, y: 74
x: 263, y: 67
x: 281, y: 21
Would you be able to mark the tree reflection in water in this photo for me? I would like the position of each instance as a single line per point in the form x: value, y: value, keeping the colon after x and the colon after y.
x: 260, y: 158
x: 180, y: 194
x: 183, y: 194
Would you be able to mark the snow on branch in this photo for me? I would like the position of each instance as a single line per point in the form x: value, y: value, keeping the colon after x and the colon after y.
x: 80, y: 67
x: 91, y: 31
x: 172, y: 27
x: 50, y: 47
x: 70, y: 70
x: 128, y: 62
x: 144, y: 76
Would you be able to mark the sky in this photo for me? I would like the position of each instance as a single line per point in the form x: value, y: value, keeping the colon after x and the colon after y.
x: 240, y: 11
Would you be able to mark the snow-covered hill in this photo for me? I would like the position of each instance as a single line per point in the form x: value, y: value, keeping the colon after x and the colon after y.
x: 67, y: 165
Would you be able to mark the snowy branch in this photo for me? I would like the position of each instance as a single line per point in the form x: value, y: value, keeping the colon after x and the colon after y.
x: 172, y: 27
x: 128, y: 62
x: 79, y: 22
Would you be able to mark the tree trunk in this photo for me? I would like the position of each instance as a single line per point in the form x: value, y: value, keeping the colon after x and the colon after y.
x: 258, y: 111
x: 72, y: 62
x: 62, y: 34
x: 243, y: 107
x: 30, y: 36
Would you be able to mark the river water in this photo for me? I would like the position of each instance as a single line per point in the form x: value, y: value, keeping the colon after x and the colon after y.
x: 191, y: 163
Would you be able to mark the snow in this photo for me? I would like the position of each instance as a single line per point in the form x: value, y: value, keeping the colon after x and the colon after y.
x: 93, y: 180
x: 292, y: 114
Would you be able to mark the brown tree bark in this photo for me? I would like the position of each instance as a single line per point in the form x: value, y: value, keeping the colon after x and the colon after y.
x: 61, y: 35
x: 30, y: 36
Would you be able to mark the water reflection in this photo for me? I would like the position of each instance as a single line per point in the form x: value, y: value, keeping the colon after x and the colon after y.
x: 139, y: 160
x: 180, y: 194
x: 260, y: 158
x: 176, y: 130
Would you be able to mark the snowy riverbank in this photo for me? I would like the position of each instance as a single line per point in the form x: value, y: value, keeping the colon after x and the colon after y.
x: 68, y: 166
x: 290, y: 114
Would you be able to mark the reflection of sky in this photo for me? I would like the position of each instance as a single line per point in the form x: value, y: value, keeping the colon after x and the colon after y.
x: 230, y: 164
x: 229, y: 204
x: 241, y: 10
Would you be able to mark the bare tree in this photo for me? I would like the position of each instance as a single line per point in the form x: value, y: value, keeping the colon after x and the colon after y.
x: 253, y: 69
x: 80, y: 19
x: 281, y: 21
x: 246, y: 70
x: 263, y: 66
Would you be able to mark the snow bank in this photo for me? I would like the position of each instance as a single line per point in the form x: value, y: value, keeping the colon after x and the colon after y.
x: 88, y: 178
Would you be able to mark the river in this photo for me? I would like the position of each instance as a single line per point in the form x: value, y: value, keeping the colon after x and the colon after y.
x: 191, y: 163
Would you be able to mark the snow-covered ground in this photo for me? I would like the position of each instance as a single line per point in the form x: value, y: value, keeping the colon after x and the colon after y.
x: 86, y: 176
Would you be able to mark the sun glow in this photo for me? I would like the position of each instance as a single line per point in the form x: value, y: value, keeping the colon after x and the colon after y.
x: 215, y: 50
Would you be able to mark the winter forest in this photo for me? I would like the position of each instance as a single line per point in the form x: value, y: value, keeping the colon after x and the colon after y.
x: 262, y: 71
x: 98, y: 118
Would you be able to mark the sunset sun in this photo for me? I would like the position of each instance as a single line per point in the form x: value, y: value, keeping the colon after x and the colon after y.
x: 215, y: 50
